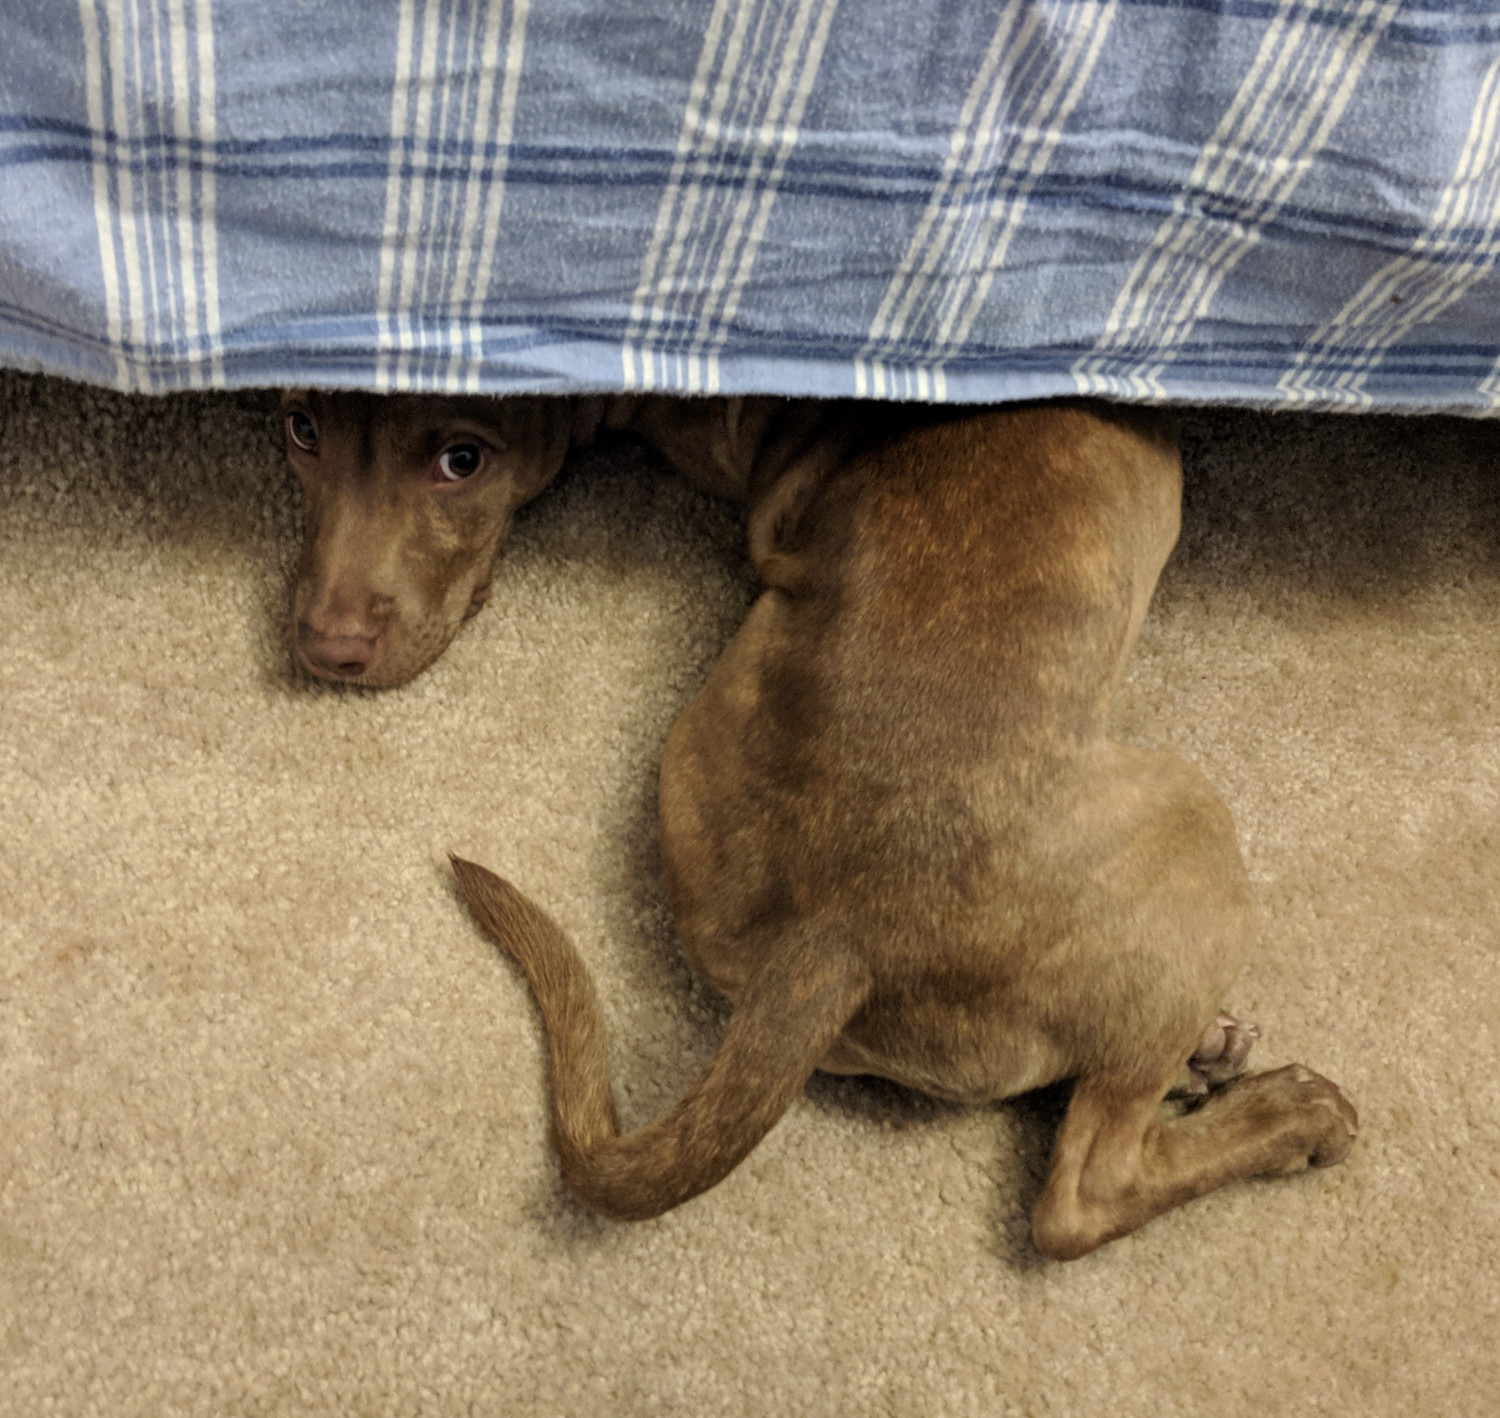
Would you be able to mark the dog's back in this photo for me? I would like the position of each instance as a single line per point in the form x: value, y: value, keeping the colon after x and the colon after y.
x: 909, y: 733
x: 978, y: 583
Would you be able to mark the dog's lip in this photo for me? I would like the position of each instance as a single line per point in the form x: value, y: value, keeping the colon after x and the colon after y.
x: 330, y: 676
x: 368, y: 676
x: 373, y: 676
x: 383, y: 669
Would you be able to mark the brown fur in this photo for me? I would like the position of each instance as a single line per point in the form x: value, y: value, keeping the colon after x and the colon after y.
x: 897, y: 837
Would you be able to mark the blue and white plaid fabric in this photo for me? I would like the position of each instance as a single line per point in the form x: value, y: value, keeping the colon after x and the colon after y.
x: 1280, y: 202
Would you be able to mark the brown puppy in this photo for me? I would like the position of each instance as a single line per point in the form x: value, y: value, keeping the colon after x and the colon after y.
x: 406, y: 500
x: 897, y: 837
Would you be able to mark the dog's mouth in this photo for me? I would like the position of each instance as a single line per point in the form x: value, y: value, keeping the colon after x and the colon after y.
x: 382, y: 645
x: 351, y: 672
x: 352, y: 675
x: 383, y: 661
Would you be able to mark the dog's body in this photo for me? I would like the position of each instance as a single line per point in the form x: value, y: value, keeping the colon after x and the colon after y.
x: 896, y: 836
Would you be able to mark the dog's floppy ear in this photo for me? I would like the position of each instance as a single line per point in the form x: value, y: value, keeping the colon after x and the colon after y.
x: 774, y: 522
x: 539, y: 431
x: 800, y: 445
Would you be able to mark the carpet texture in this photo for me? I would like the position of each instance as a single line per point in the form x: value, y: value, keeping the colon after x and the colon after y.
x: 272, y: 1128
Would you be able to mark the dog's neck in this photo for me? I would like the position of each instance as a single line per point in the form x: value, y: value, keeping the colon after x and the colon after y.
x: 731, y: 447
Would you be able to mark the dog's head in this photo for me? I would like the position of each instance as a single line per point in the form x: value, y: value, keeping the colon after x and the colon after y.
x: 407, y: 499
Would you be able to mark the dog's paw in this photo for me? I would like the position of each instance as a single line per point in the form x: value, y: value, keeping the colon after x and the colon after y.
x: 1222, y: 1054
x: 1303, y: 1119
x: 1224, y: 1050
x: 1340, y: 1124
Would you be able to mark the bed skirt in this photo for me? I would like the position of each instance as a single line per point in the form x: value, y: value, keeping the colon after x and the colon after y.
x: 1271, y: 202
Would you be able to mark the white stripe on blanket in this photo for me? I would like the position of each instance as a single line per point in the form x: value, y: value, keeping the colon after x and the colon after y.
x: 1286, y: 107
x: 156, y: 231
x: 1273, y: 202
x: 450, y: 94
x: 1458, y: 248
x: 1032, y: 76
x: 755, y: 71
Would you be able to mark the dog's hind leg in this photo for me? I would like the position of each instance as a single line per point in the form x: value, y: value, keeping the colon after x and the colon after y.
x: 1119, y: 1160
x: 793, y: 1008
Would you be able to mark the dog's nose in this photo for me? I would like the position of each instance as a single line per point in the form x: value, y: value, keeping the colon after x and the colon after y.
x: 335, y: 656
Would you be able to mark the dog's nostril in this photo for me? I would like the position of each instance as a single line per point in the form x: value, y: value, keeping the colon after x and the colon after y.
x: 337, y: 657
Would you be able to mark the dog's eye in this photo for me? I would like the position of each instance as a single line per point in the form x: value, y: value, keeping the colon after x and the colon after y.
x: 302, y: 431
x: 460, y: 462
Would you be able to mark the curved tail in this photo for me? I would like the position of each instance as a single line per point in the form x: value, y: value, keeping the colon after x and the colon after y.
x: 795, y: 1006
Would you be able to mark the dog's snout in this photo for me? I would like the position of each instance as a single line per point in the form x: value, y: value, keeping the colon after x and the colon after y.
x: 335, y: 656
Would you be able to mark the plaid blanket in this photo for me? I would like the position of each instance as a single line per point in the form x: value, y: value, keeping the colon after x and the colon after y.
x: 1277, y: 202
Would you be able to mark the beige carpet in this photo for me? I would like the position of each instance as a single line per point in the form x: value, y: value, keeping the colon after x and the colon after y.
x: 272, y: 1135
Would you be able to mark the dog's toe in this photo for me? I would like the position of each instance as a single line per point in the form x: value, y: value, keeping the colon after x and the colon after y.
x: 1225, y: 1049
x: 1222, y: 1053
